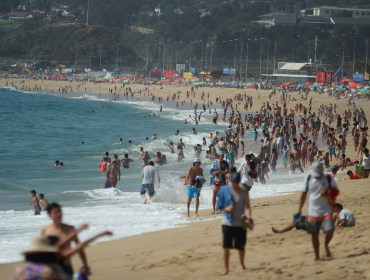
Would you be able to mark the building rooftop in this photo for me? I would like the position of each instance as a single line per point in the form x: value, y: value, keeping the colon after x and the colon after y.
x: 293, y: 66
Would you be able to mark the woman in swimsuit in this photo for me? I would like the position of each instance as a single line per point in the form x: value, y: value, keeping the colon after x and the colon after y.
x: 171, y: 148
x: 158, y: 158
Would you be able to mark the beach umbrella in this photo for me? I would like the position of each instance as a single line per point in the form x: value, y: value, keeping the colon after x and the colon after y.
x: 252, y: 86
x: 365, y: 90
x: 169, y: 80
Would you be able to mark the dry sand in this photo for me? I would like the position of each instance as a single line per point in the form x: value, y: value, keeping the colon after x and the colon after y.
x: 195, y: 250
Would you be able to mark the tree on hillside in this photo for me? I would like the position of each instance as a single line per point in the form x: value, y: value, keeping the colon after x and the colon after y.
x: 43, y: 5
x: 6, y: 6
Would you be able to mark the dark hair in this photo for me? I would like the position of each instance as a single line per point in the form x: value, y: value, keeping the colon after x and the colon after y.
x: 33, y: 192
x: 235, y: 177
x: 339, y: 206
x: 366, y: 150
x: 107, y: 153
x: 126, y: 155
x: 151, y: 163
x: 57, y: 162
x: 61, y: 164
x: 41, y: 195
x: 349, y: 172
x: 52, y: 206
x: 115, y: 156
x: 248, y: 156
x: 232, y: 169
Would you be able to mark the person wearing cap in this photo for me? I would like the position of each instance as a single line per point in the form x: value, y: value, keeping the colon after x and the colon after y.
x: 235, y: 203
x: 194, y: 180
x: 148, y: 174
x: 322, y: 191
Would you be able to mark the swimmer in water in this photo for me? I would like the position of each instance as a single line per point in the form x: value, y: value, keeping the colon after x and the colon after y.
x: 126, y: 161
x: 120, y: 141
x: 43, y: 201
x: 56, y: 163
x: 154, y: 137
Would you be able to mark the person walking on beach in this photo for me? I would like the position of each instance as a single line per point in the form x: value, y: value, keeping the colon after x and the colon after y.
x: 148, y: 173
x: 194, y: 179
x: 35, y: 202
x: 62, y: 231
x: 219, y: 170
x: 112, y: 174
x: 235, y: 203
x: 321, y: 188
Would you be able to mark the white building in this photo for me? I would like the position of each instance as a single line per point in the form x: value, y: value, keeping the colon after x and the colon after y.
x: 329, y: 11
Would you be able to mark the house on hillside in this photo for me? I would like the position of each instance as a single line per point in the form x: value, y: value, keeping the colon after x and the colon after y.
x: 356, y: 23
x: 204, y: 12
x: 291, y: 19
x: 36, y: 15
x: 329, y: 11
x: 17, y: 16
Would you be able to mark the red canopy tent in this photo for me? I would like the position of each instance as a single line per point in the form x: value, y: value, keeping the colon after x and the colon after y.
x: 286, y: 84
x: 308, y: 84
x: 355, y: 85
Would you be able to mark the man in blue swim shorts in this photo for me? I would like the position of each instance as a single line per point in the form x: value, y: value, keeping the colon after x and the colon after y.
x: 194, y: 180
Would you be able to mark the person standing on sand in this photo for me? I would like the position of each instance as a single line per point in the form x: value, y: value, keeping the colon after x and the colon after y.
x: 235, y: 203
x: 112, y: 174
x: 219, y: 170
x: 148, y: 174
x: 35, y: 202
x: 320, y: 211
x: 62, y: 231
x: 194, y: 179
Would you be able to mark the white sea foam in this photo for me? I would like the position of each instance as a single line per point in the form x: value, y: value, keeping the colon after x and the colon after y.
x: 124, y: 212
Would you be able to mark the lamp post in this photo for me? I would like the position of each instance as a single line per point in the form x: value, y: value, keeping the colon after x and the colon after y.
x: 309, y: 48
x: 342, y: 55
x: 367, y: 47
x: 260, y: 56
x: 354, y: 53
x: 246, y: 65
x: 234, y: 55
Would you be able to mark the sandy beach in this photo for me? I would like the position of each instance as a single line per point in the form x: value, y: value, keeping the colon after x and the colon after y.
x: 195, y: 250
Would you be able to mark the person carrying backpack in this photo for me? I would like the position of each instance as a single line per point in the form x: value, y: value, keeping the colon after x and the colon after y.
x: 322, y: 191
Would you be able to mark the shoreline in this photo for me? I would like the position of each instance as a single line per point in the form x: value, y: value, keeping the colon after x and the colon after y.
x: 197, y: 247
x: 144, y: 254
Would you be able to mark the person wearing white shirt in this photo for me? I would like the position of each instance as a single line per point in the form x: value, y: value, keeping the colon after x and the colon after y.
x: 247, y: 169
x: 344, y: 217
x: 320, y: 211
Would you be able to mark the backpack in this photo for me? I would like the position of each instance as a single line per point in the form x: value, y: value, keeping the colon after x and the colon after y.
x: 328, y: 177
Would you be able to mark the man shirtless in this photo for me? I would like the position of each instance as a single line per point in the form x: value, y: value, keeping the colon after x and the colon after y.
x: 332, y: 142
x: 112, y: 174
x: 62, y: 231
x: 304, y: 151
x: 154, y: 137
x: 126, y: 161
x: 194, y: 179
x: 43, y: 201
x: 35, y: 202
x: 297, y: 157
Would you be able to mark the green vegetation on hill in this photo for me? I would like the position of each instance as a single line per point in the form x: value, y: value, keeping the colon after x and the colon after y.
x: 62, y: 44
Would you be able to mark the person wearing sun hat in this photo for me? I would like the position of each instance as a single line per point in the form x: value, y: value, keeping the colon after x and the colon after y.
x: 322, y: 193
x: 42, y: 261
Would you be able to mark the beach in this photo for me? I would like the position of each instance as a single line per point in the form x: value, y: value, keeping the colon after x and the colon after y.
x: 195, y: 249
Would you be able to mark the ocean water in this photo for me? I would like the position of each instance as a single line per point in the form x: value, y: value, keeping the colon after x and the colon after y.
x: 38, y: 128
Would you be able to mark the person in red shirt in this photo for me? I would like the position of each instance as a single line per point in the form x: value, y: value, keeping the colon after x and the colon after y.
x: 353, y: 176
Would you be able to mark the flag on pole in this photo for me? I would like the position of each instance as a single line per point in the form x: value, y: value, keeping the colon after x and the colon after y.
x: 366, y: 76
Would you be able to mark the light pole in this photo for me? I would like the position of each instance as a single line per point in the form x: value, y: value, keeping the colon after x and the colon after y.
x: 367, y: 46
x: 246, y: 65
x: 268, y: 55
x: 260, y: 56
x: 354, y: 53
x: 210, y: 67
x: 309, y: 48
x: 342, y: 55
x: 234, y: 55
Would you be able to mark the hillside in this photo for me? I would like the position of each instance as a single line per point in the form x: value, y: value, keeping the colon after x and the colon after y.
x: 62, y: 44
